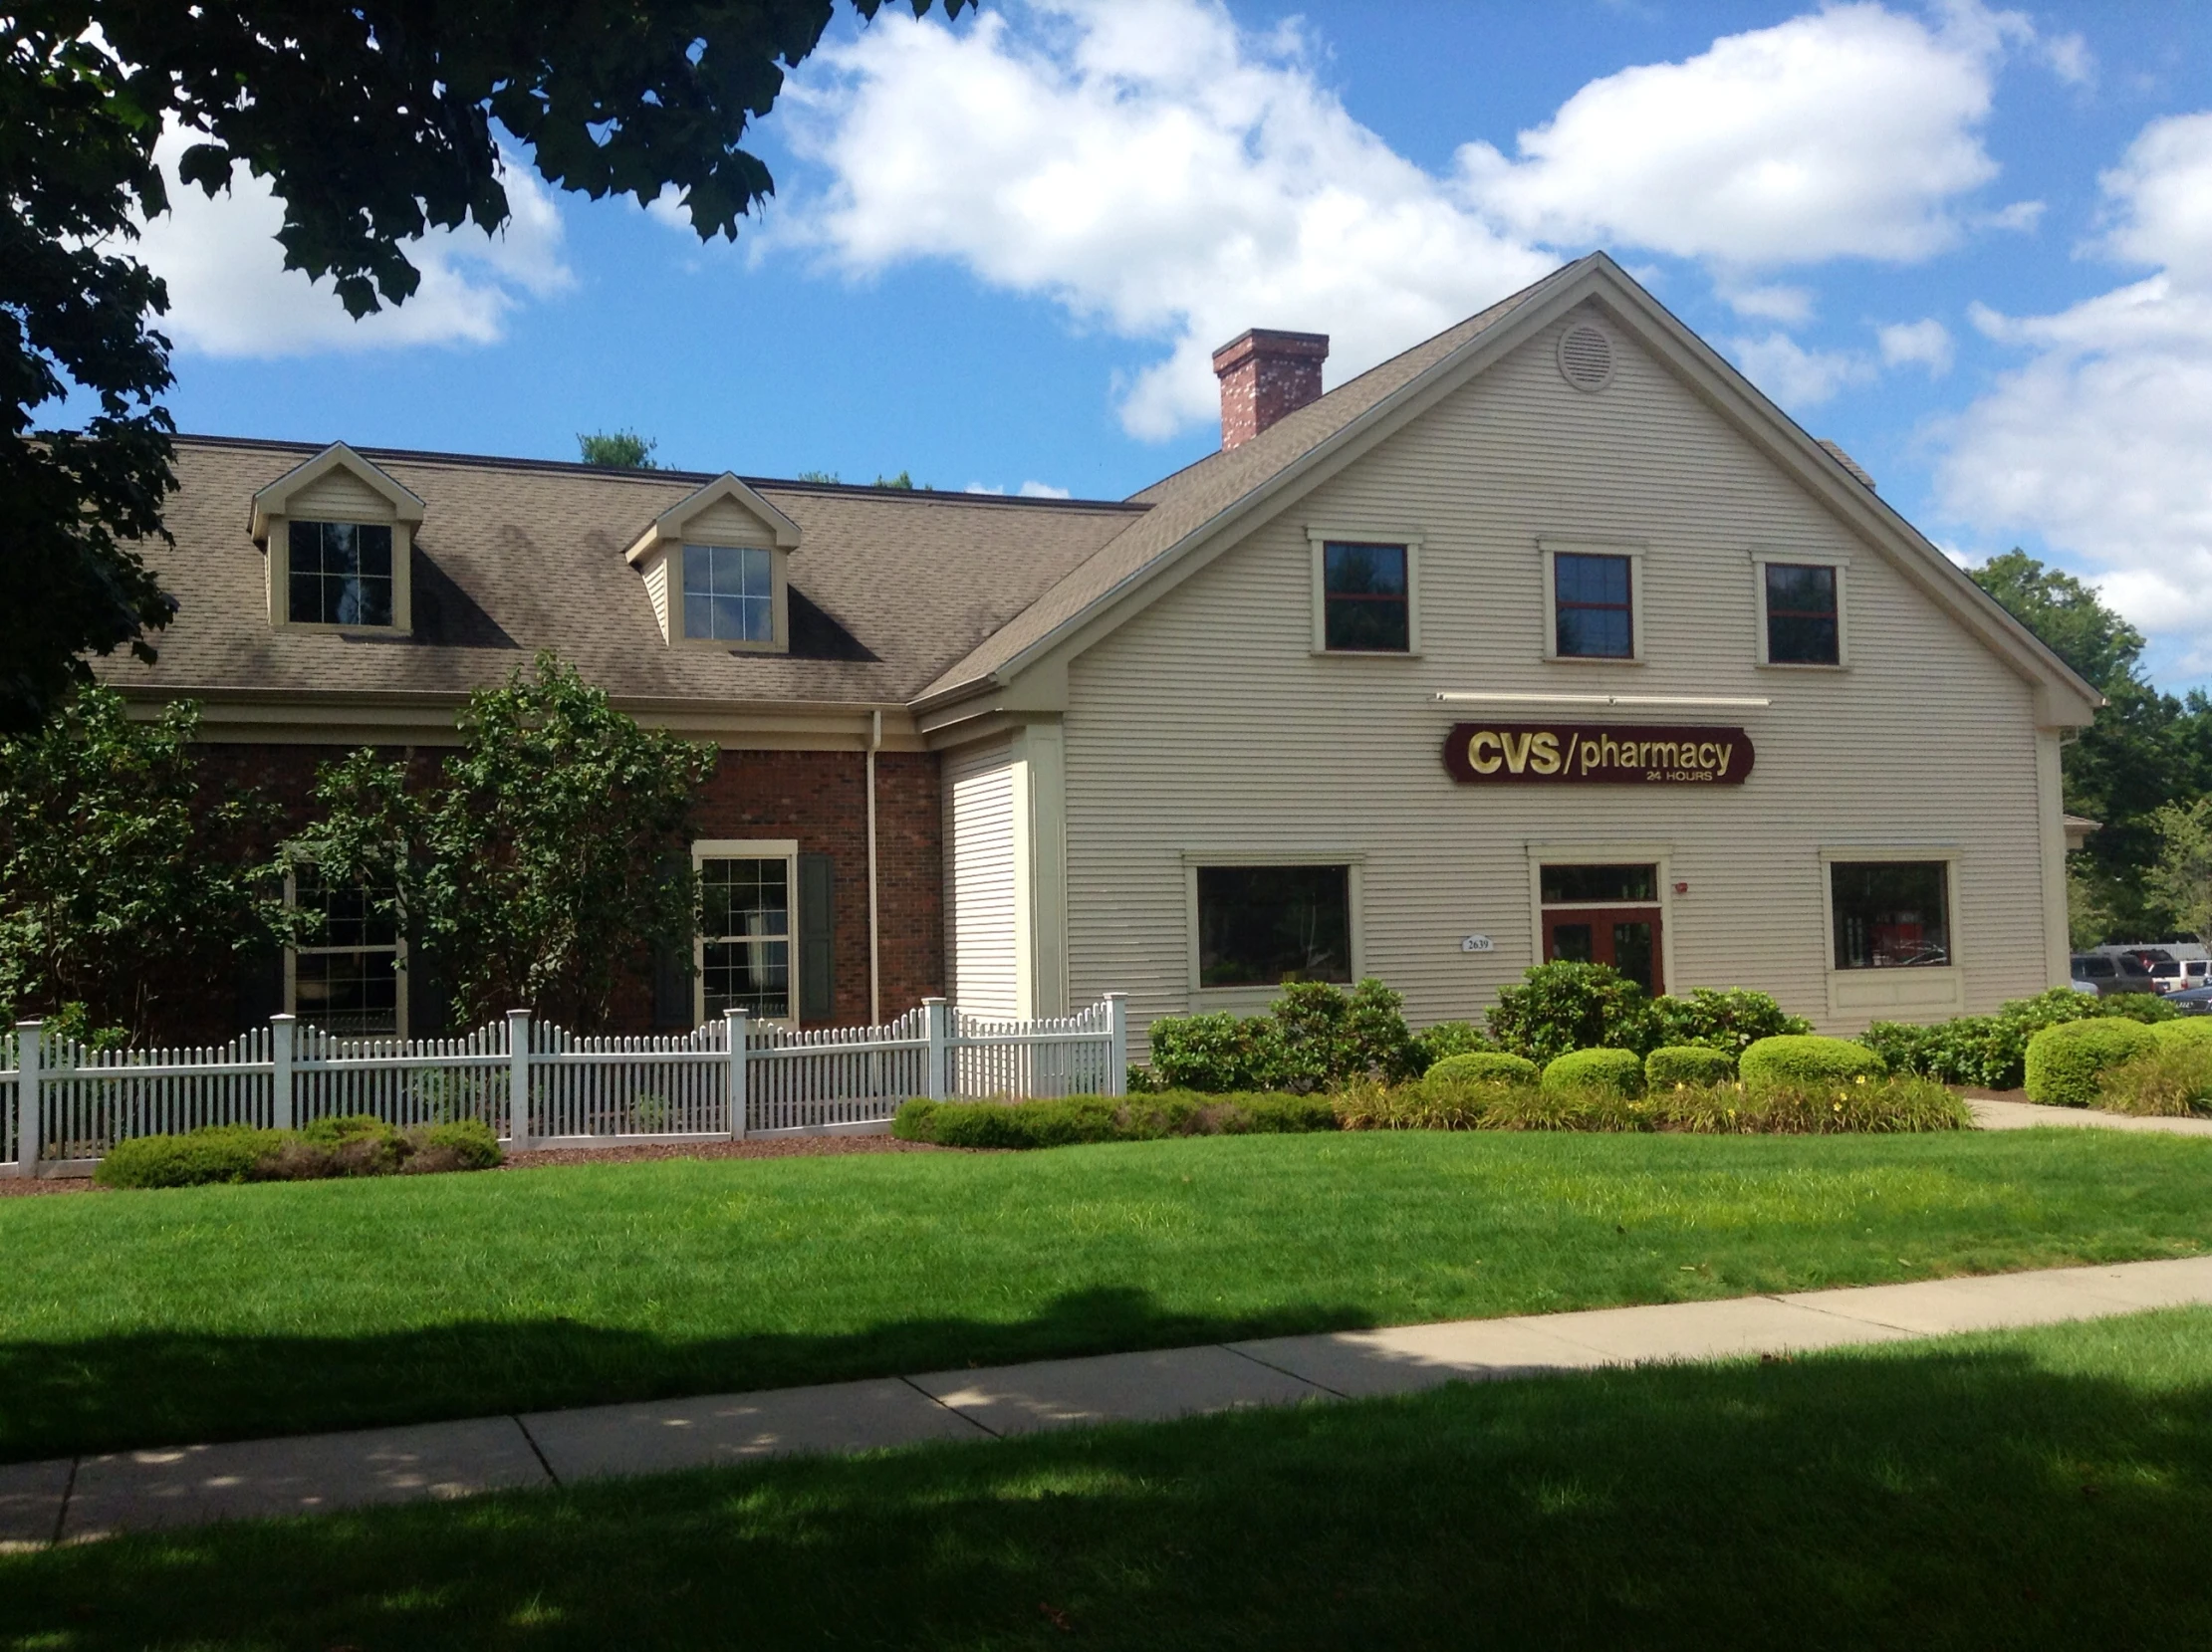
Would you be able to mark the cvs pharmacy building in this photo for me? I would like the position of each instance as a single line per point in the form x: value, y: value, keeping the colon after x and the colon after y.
x: 1549, y: 638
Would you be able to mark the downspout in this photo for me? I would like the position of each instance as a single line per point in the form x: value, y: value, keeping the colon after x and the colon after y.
x: 874, y: 969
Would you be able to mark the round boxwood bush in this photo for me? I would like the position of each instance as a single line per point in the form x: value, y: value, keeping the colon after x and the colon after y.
x: 1687, y: 1064
x: 1806, y: 1058
x: 2190, y: 1030
x: 1600, y: 1072
x: 2065, y: 1060
x: 1485, y: 1067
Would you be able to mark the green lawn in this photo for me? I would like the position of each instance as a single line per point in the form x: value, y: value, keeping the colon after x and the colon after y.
x: 153, y: 1317
x: 2047, y: 1488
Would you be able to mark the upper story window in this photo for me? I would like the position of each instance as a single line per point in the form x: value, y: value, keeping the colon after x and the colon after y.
x: 338, y: 573
x: 1803, y: 614
x: 1594, y: 607
x: 729, y: 594
x: 1366, y: 598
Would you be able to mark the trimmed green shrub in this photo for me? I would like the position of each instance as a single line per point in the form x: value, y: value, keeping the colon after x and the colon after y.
x: 1447, y: 1039
x: 458, y: 1145
x: 1731, y: 1021
x: 2187, y: 1029
x: 1074, y: 1119
x: 1314, y: 1037
x: 2173, y: 1079
x: 216, y: 1153
x: 2064, y: 1061
x: 1557, y: 1008
x: 1215, y: 1052
x: 1991, y: 1052
x: 1602, y: 1072
x: 1485, y: 1067
x: 1806, y: 1058
x: 1688, y: 1064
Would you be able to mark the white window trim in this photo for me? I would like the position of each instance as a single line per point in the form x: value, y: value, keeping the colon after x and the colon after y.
x: 1803, y: 558
x: 1646, y: 853
x: 779, y: 620
x: 1891, y: 854
x: 279, y: 553
x: 1318, y: 537
x: 398, y: 952
x: 784, y: 849
x: 1553, y: 546
x: 1258, y: 998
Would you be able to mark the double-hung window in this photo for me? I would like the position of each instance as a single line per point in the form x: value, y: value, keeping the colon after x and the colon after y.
x: 338, y: 573
x: 745, y: 929
x: 1366, y: 600
x: 729, y: 594
x: 1803, y: 615
x: 347, y: 971
x: 1594, y: 607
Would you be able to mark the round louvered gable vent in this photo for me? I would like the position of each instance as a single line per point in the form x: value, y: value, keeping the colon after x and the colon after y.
x: 1586, y: 358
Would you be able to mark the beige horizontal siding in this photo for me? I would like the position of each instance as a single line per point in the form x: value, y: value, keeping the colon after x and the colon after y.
x: 341, y: 495
x: 982, y: 888
x: 1208, y: 725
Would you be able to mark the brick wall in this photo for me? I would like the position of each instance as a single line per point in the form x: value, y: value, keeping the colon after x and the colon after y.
x: 818, y: 798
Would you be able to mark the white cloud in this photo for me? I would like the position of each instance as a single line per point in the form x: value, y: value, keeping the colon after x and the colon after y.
x: 230, y: 295
x: 1152, y: 169
x: 1045, y: 490
x: 1852, y: 131
x: 1925, y: 342
x: 2099, y: 442
x: 1794, y: 375
x: 1792, y: 306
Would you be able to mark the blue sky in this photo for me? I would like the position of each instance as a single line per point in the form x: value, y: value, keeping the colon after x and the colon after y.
x: 1974, y: 246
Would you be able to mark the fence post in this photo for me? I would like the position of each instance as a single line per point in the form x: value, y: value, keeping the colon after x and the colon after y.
x: 518, y: 1080
x: 934, y: 1080
x: 283, y: 1033
x: 733, y: 1033
x: 30, y: 1130
x: 1117, y: 1044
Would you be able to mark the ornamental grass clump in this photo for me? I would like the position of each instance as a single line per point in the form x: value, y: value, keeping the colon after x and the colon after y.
x: 1862, y: 1106
x: 2065, y: 1061
x: 2172, y: 1079
x: 1807, y: 1061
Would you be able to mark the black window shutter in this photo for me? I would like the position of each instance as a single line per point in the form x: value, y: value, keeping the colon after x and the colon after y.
x: 672, y: 971
x: 260, y: 985
x: 817, y: 935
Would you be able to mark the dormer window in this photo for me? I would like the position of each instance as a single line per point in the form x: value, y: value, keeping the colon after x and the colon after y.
x: 729, y: 594
x: 340, y: 535
x: 340, y: 573
x: 715, y: 567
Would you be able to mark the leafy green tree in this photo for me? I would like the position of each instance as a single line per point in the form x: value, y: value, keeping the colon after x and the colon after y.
x: 120, y: 872
x: 618, y: 449
x: 2144, y: 751
x: 2180, y: 879
x: 534, y: 871
x: 372, y: 122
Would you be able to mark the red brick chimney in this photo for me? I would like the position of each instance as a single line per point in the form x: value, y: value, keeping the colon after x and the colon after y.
x: 1265, y: 377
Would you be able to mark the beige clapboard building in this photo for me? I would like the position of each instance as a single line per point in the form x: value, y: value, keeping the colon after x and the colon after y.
x: 1551, y: 638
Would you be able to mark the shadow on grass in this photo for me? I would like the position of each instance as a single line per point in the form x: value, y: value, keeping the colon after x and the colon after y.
x: 2032, y: 1489
x: 154, y: 1388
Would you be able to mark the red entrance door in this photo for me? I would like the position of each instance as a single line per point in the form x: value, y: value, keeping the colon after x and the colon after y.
x: 1626, y: 937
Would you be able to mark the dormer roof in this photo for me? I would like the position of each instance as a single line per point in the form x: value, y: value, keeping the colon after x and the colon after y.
x: 272, y: 500
x: 712, y: 501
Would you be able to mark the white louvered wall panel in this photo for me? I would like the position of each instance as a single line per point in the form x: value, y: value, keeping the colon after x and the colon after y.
x: 982, y: 885
x: 1207, y: 725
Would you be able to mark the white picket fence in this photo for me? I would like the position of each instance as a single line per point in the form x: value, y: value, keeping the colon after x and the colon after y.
x: 538, y: 1086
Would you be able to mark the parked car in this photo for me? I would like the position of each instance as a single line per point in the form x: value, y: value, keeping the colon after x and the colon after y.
x: 2111, y: 973
x: 2192, y: 1001
x: 2173, y: 975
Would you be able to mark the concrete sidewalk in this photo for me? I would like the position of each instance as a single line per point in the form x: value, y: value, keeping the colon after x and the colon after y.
x: 2001, y: 1113
x: 75, y: 1498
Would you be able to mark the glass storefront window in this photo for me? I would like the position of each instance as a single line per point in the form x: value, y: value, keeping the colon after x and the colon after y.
x: 1891, y: 913
x: 1260, y: 926
x: 1562, y: 884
